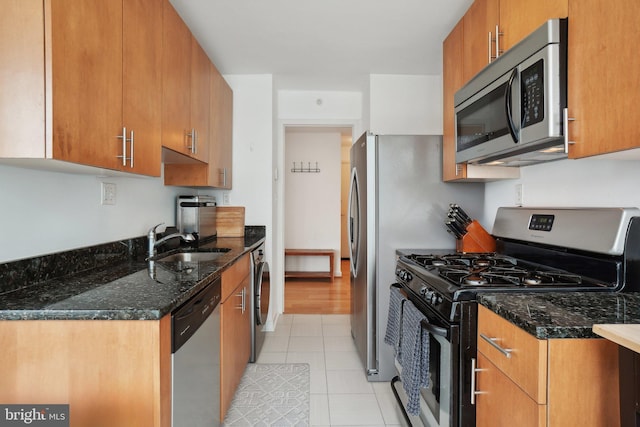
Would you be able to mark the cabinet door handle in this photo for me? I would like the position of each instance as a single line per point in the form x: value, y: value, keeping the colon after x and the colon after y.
x: 132, y: 142
x: 497, y: 41
x: 498, y: 34
x: 124, y: 139
x: 195, y: 142
x: 474, y: 392
x: 192, y: 136
x: 505, y: 351
x: 243, y: 299
x: 565, y: 124
x: 223, y: 173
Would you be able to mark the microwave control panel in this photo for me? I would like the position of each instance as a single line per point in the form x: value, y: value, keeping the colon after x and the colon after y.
x: 532, y: 89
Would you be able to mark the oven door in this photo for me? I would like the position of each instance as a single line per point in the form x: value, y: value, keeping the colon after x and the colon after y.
x: 438, y: 406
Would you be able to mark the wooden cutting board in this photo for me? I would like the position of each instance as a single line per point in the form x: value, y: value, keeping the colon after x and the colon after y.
x: 230, y: 221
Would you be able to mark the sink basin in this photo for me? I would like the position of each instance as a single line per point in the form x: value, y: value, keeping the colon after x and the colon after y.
x: 197, y: 256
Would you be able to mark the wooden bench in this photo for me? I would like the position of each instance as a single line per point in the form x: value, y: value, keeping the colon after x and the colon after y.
x: 310, y: 252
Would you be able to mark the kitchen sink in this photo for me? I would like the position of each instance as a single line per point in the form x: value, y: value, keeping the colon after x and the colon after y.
x: 195, y: 256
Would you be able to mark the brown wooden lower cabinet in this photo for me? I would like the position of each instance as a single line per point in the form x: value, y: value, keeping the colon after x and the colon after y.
x: 110, y: 372
x: 116, y: 372
x: 554, y: 382
x: 235, y: 322
x: 504, y: 403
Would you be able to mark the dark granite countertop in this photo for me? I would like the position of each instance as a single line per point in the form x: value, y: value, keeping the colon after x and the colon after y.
x: 122, y: 286
x: 563, y: 314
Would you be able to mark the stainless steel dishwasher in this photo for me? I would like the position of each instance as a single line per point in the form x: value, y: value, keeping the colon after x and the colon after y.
x: 195, y: 360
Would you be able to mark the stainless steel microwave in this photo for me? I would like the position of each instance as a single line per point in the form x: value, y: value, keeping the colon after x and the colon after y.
x: 513, y: 112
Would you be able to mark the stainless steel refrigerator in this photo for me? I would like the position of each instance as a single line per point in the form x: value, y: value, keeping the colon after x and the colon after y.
x: 397, y: 201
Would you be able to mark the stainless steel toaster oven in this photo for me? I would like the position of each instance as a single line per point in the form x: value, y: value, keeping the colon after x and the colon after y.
x: 197, y: 214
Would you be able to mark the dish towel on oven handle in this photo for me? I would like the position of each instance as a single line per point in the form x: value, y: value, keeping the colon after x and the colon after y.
x: 394, y: 320
x: 415, y: 355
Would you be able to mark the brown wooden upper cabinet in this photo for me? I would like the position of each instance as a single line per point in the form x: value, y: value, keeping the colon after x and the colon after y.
x: 221, y: 131
x: 491, y: 27
x: 604, y: 81
x: 217, y: 172
x: 480, y: 24
x: 81, y: 82
x: 185, y: 89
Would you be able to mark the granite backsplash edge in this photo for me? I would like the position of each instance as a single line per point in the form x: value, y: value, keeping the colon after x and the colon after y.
x: 18, y: 274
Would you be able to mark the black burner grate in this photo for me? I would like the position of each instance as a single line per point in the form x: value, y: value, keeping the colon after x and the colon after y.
x: 489, y: 269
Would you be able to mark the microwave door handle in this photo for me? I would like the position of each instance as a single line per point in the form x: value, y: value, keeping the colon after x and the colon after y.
x: 508, y: 106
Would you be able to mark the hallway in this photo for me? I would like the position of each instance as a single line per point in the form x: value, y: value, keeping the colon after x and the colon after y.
x: 319, y: 296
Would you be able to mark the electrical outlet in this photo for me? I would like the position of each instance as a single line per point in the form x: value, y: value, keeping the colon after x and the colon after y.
x: 225, y: 198
x: 108, y: 193
x: 519, y: 194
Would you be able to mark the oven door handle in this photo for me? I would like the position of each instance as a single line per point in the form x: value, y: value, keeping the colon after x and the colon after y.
x: 435, y: 330
x: 394, y: 380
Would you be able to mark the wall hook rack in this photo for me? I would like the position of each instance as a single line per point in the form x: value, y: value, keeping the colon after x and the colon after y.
x: 302, y: 168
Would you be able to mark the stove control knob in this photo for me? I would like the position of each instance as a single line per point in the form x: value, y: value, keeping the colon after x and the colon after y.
x: 405, y: 275
x: 435, y: 299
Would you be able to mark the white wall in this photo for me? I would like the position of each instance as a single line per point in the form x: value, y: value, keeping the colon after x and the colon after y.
x: 312, y: 200
x: 405, y: 104
x: 45, y: 212
x: 584, y: 182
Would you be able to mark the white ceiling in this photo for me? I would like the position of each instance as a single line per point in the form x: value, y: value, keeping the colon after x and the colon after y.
x: 323, y: 44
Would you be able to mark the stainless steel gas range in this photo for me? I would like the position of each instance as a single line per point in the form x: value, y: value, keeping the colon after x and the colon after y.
x: 537, y: 250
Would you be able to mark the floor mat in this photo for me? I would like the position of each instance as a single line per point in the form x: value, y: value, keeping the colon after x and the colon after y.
x: 271, y: 395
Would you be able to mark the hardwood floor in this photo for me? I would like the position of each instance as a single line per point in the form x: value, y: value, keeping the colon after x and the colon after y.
x: 319, y: 296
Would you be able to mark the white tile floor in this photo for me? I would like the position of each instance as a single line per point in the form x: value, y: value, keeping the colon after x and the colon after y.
x: 340, y: 392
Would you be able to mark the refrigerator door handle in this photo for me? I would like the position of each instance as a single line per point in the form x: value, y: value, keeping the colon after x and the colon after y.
x: 351, y: 229
x: 354, y: 237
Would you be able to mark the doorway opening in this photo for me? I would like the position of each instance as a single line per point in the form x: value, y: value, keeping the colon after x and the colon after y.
x: 315, y: 217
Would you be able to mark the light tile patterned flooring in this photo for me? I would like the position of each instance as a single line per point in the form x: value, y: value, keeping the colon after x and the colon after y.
x: 340, y: 392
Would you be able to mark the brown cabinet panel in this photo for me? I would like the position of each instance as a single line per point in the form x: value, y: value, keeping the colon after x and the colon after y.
x: 519, y: 18
x: 142, y: 82
x: 501, y: 402
x: 603, y: 80
x: 480, y: 20
x: 235, y: 323
x: 218, y: 170
x: 84, y: 71
x: 589, y: 367
x: 111, y: 373
x: 527, y: 361
x: 234, y: 275
x: 220, y: 161
x: 452, y: 80
x: 185, y: 90
x: 86, y: 46
x: 578, y: 384
x: 176, y: 81
x: 200, y: 89
x: 22, y: 79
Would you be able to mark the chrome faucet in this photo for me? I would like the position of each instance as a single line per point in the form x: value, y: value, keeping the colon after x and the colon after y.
x: 187, y: 237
